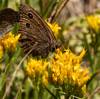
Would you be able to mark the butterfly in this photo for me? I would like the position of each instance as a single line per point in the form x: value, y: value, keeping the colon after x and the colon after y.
x: 35, y: 32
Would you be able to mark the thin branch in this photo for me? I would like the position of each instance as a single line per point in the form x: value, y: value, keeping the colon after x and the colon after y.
x: 57, y: 10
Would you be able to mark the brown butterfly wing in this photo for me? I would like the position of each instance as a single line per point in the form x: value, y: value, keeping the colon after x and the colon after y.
x: 35, y: 32
x: 8, y: 17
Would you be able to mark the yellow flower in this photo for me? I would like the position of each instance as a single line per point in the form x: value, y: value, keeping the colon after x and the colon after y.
x: 54, y: 27
x: 9, y: 41
x: 94, y: 22
x: 37, y: 68
x: 45, y: 78
x: 62, y: 69
x: 1, y: 51
x: 66, y: 68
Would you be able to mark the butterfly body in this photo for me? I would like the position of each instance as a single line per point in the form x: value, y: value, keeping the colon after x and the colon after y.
x: 35, y: 33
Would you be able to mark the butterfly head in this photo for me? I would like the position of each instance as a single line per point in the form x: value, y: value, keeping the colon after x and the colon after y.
x: 55, y: 46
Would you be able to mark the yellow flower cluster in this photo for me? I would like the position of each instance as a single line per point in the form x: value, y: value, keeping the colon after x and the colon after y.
x: 63, y: 68
x: 54, y: 27
x: 94, y: 22
x: 9, y: 41
x: 66, y: 68
x: 37, y: 68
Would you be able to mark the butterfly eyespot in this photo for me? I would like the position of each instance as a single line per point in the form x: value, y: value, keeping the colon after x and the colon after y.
x: 27, y: 25
x: 30, y: 15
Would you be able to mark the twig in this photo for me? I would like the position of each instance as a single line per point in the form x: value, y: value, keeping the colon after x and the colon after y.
x: 57, y: 10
